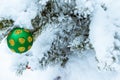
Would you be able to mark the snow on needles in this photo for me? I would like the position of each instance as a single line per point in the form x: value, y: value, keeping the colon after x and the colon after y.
x: 102, y: 33
x: 21, y: 11
x: 42, y: 45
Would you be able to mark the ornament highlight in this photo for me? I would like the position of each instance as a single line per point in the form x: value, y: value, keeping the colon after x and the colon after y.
x: 19, y: 40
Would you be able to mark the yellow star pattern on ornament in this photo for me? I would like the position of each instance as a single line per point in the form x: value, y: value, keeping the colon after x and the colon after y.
x: 12, y: 50
x: 9, y: 33
x: 29, y: 47
x: 18, y: 31
x: 12, y: 42
x: 26, y: 30
x: 21, y: 40
x: 29, y: 39
x: 21, y: 49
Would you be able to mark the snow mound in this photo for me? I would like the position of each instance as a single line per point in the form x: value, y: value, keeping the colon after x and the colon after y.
x: 21, y: 11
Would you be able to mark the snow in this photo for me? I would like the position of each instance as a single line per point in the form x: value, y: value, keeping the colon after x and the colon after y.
x: 42, y: 45
x: 113, y: 9
x: 43, y: 2
x: 84, y: 67
x: 21, y: 11
x: 85, y: 70
x: 86, y: 5
x: 102, y: 34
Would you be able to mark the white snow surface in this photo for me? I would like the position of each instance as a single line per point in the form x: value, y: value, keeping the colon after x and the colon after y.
x: 83, y: 67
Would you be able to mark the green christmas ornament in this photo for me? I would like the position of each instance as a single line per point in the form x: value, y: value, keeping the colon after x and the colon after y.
x: 19, y: 40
